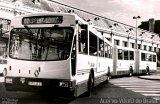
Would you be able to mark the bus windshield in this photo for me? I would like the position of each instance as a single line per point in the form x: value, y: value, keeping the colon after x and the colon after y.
x: 41, y: 43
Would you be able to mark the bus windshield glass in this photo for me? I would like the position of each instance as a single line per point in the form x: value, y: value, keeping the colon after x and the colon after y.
x: 41, y: 43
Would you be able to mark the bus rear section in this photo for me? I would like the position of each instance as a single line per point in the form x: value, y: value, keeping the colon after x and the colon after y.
x: 147, y: 62
x: 124, y: 61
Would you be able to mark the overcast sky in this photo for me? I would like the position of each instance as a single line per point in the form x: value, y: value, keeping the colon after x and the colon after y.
x: 120, y: 10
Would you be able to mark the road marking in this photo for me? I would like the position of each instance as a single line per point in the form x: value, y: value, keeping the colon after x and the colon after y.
x: 147, y: 88
x: 146, y: 94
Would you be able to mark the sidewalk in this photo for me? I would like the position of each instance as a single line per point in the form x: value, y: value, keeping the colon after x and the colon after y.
x: 154, y: 76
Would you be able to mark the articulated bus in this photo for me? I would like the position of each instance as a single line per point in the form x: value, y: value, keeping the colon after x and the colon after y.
x: 56, y: 51
x: 129, y: 61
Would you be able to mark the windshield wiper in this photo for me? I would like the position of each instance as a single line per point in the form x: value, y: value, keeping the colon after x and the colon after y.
x: 29, y: 30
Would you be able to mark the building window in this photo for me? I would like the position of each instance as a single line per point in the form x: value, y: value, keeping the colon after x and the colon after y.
x: 109, y: 39
x: 144, y: 47
x: 155, y: 49
x: 150, y: 48
x: 132, y: 45
x: 125, y: 44
x: 139, y: 46
x: 116, y: 42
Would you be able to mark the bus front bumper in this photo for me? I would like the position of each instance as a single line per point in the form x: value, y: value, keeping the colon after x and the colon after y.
x: 37, y: 84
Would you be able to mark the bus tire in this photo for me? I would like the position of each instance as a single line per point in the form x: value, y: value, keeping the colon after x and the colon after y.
x: 4, y: 72
x: 130, y: 71
x: 90, y: 84
x: 108, y: 78
x: 108, y: 75
x: 147, y: 70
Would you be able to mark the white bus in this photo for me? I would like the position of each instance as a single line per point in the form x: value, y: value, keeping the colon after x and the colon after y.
x: 56, y: 51
x: 146, y: 62
x: 129, y: 61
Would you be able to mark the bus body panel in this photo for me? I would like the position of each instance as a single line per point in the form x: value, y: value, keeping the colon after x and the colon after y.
x: 46, y: 69
x: 121, y: 66
x: 85, y: 63
x: 143, y: 64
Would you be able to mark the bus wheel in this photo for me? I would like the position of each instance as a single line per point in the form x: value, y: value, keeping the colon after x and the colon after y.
x: 108, y: 78
x: 90, y: 84
x: 5, y: 72
x: 147, y: 70
x: 130, y: 71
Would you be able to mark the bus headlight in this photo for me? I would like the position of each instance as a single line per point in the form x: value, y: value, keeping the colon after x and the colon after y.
x: 63, y: 84
x: 8, y: 80
x: 35, y: 83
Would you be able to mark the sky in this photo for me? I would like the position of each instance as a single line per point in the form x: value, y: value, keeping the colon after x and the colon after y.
x: 120, y: 10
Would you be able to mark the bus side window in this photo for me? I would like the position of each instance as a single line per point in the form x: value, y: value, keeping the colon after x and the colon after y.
x: 120, y: 54
x: 109, y: 51
x: 101, y: 48
x: 106, y: 50
x: 125, y: 55
x: 131, y: 54
x: 149, y: 57
x: 92, y: 44
x: 143, y: 56
x: 83, y: 42
x: 154, y: 58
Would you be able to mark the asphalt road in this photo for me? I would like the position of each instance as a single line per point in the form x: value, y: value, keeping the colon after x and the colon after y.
x: 126, y: 90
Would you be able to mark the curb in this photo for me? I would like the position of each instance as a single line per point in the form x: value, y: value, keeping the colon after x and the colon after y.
x: 148, y: 78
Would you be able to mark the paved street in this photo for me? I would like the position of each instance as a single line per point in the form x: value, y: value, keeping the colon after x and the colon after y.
x: 116, y: 91
x: 147, y: 88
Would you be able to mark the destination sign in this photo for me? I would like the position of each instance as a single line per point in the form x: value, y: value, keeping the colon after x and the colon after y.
x: 42, y: 20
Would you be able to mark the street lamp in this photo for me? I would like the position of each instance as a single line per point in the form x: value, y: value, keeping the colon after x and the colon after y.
x: 138, y: 17
x: 111, y: 27
x: 141, y: 38
x: 152, y: 42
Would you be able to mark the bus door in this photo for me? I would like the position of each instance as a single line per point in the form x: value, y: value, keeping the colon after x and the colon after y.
x: 101, y: 66
x: 82, y: 46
